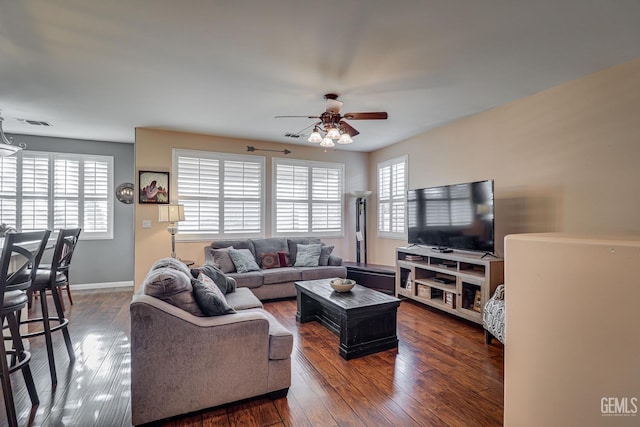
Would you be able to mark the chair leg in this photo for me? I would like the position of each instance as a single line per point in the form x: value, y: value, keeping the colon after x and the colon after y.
x: 12, y: 417
x: 59, y: 291
x: 65, y: 330
x: 47, y: 336
x: 487, y: 337
x: 14, y: 327
x: 69, y: 288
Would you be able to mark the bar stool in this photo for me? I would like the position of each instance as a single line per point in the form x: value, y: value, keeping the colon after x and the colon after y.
x: 63, y: 267
x: 12, y: 291
x: 50, y: 280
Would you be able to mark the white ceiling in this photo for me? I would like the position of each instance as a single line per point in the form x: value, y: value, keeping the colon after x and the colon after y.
x: 97, y: 69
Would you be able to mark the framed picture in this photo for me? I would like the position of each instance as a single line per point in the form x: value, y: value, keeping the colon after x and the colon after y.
x: 153, y: 187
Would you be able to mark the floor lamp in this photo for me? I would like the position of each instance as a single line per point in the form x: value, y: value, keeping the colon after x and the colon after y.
x: 361, y: 224
x: 171, y: 214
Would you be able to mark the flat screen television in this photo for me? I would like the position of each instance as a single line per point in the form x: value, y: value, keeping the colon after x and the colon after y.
x: 456, y: 216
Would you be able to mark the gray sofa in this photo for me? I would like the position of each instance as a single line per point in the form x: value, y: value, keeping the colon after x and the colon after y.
x: 182, y: 363
x: 279, y: 282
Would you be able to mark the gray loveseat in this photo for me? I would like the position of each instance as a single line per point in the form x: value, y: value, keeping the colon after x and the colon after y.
x: 273, y: 283
x: 182, y: 363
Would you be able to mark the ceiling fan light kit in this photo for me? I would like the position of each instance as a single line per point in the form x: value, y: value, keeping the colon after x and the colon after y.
x: 331, y: 123
x: 7, y: 147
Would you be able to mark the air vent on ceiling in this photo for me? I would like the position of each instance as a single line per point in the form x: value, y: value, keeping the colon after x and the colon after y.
x: 292, y: 135
x: 33, y: 122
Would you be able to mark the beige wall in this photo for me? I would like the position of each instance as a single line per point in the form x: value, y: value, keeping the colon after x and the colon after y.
x: 578, y: 343
x: 565, y: 159
x: 153, y: 151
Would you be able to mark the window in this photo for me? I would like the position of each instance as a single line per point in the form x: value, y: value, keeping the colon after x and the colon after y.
x: 308, y: 198
x: 392, y: 190
x: 56, y: 190
x: 222, y: 194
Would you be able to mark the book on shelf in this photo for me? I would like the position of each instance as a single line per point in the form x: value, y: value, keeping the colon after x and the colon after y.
x: 413, y: 258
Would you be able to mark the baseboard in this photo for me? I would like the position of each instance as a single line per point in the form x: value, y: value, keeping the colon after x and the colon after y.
x: 104, y: 285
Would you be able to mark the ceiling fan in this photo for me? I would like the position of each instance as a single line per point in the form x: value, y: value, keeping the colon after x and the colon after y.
x: 333, y: 125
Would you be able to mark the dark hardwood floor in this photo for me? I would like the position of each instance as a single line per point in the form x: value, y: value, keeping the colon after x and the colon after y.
x: 441, y: 375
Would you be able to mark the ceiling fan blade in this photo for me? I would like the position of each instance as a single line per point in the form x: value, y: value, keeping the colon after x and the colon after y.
x: 303, y: 117
x: 366, y: 116
x: 346, y: 127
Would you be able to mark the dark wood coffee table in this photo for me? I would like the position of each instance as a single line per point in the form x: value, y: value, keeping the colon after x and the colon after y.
x: 364, y: 319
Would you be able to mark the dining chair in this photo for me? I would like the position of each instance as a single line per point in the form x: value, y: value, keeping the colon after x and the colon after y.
x: 21, y: 254
x: 50, y: 280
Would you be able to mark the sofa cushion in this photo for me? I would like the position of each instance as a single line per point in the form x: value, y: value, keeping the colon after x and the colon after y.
x: 252, y: 279
x: 281, y: 275
x: 293, y: 246
x: 236, y: 244
x: 222, y: 260
x: 329, y: 272
x: 307, y: 255
x: 270, y: 245
x: 243, y: 260
x: 280, y: 339
x: 225, y: 283
x: 209, y: 297
x: 325, y: 252
x: 243, y: 299
x: 174, y: 263
x: 172, y: 286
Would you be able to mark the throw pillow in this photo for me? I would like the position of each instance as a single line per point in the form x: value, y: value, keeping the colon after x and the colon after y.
x: 243, y: 260
x: 209, y: 297
x: 308, y: 255
x: 325, y: 251
x: 174, y: 263
x: 283, y: 259
x: 270, y: 260
x: 172, y: 286
x: 293, y: 243
x: 224, y: 283
x: 222, y: 260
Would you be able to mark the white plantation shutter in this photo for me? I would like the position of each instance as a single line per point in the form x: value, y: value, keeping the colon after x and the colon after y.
x: 242, y: 197
x: 326, y: 191
x: 96, y: 196
x: 8, y: 190
x: 392, y: 188
x: 223, y: 194
x: 198, y: 191
x: 308, y: 197
x: 292, y: 193
x: 55, y: 190
x: 65, y: 192
x: 35, y: 192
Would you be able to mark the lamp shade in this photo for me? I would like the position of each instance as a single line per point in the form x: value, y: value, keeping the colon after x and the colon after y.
x: 361, y: 193
x: 170, y: 213
x: 345, y: 139
x: 315, y: 137
x: 327, y: 142
x: 333, y: 133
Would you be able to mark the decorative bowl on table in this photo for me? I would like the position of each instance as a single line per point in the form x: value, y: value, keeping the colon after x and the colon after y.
x: 342, y: 285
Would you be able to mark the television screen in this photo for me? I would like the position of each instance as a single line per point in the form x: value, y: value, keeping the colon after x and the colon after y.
x: 452, y: 216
